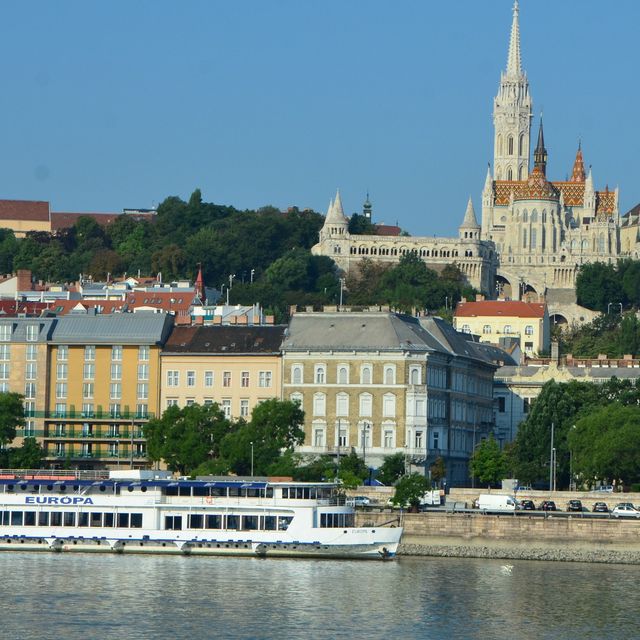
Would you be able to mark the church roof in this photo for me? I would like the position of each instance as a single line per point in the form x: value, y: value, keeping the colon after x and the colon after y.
x: 578, y: 174
x: 335, y: 213
x: 514, y: 65
x: 470, y: 221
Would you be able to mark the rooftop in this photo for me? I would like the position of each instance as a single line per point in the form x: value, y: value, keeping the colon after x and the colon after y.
x: 502, y: 308
x: 224, y: 339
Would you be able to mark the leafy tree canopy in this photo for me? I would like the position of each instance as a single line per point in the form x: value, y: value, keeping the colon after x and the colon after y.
x: 489, y: 463
x: 410, y: 489
x: 11, y: 416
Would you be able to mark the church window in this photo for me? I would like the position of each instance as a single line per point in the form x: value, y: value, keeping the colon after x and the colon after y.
x: 499, y: 174
x: 509, y: 174
x: 520, y: 172
x: 524, y: 238
x: 601, y: 243
x: 499, y: 145
x: 510, y: 147
x: 544, y: 216
x: 534, y: 238
x: 534, y: 216
x: 525, y: 216
x: 585, y: 245
x: 521, y: 147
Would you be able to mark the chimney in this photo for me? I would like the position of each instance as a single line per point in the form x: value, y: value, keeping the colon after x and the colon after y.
x: 479, y: 297
x: 23, y: 280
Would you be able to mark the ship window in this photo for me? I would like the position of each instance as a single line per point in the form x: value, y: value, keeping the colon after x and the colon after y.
x: 284, y: 522
x: 136, y: 520
x: 196, y: 521
x: 56, y: 518
x: 200, y: 491
x: 43, y: 519
x: 29, y: 518
x: 268, y: 523
x: 83, y: 519
x: 69, y: 519
x: 214, y: 521
x: 96, y: 519
x: 123, y: 520
x: 171, y: 522
x: 108, y: 519
x: 233, y: 522
x: 16, y: 518
x: 249, y: 523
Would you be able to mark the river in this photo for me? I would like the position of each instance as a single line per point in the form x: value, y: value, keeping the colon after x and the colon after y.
x: 122, y: 597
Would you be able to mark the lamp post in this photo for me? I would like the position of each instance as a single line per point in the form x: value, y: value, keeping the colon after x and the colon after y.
x: 552, y: 456
x: 251, y: 443
x: 342, y: 282
x: 253, y: 273
x: 365, y: 429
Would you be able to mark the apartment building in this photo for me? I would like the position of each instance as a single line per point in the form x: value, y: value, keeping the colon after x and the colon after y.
x: 104, y: 381
x: 236, y: 366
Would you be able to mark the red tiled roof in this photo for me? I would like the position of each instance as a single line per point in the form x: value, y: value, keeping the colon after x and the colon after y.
x: 178, y: 303
x: 24, y: 210
x: 62, y: 220
x: 506, y: 308
x: 14, y: 307
x: 387, y: 230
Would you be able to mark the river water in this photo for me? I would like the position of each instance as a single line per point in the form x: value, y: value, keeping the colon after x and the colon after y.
x: 121, y: 597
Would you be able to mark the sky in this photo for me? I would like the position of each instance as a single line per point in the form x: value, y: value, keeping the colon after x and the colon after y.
x: 119, y: 104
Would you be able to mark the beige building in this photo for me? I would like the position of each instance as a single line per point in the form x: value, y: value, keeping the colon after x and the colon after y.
x: 493, y: 320
x: 235, y: 366
x: 381, y: 383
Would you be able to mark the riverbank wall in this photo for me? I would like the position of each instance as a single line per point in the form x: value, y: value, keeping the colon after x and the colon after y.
x: 509, y: 537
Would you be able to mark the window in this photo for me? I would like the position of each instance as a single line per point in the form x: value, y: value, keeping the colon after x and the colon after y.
x: 29, y: 429
x: 264, y: 379
x: 507, y: 328
x: 244, y: 379
x: 29, y: 409
x: 365, y: 434
x: 114, y: 410
x: 143, y: 391
x: 419, y: 439
x: 244, y: 408
x: 87, y: 412
x: 226, y: 407
x: 343, y: 436
x: 510, y: 145
x: 5, y: 332
x: 436, y: 440
x: 173, y: 378
x: 89, y: 371
x: 486, y: 329
x: 89, y: 353
x: 87, y: 390
x: 191, y: 378
x: 226, y: 378
x: 5, y: 370
x: 63, y: 352
x: 62, y: 371
x: 365, y: 375
x: 190, y: 402
x: 528, y: 330
x: 32, y: 351
x: 143, y: 353
x: 319, y: 374
x: 61, y: 409
x: 296, y: 374
x: 366, y: 404
x: 343, y: 375
x: 172, y: 402
x: 115, y: 391
x: 319, y: 404
x: 528, y: 347
x: 5, y: 351
x: 318, y: 436
x: 30, y: 390
x: 143, y: 372
x: 113, y: 449
x: 208, y: 378
x: 342, y: 404
x: 61, y: 390
x: 30, y: 371
x: 116, y: 353
x: 142, y: 410
x: 32, y: 332
x: 466, y: 328
x: 526, y: 405
x: 389, y: 405
x: 296, y: 397
x: 389, y: 374
x: 501, y: 404
x: 414, y: 375
x: 388, y: 439
x: 116, y: 372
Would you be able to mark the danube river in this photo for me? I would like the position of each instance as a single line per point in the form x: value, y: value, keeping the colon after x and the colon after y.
x: 122, y: 597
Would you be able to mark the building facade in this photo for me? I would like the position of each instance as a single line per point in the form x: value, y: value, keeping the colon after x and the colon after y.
x: 381, y: 383
x: 104, y: 382
x: 236, y: 367
x: 492, y: 320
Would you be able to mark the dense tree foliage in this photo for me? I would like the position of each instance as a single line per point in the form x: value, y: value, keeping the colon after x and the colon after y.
x: 361, y: 225
x: 410, y: 489
x: 489, y: 462
x: 27, y: 456
x: 392, y: 468
x: 563, y: 405
x: 11, y: 416
x: 605, y: 444
x: 601, y: 286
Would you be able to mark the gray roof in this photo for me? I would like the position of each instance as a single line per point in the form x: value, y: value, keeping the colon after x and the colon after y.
x: 373, y: 331
x: 19, y: 328
x: 120, y: 328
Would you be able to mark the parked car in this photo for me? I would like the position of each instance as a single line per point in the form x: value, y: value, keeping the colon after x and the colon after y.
x: 574, y: 505
x: 606, y: 488
x: 600, y: 507
x: 527, y: 505
x: 359, y: 501
x: 548, y: 505
x: 625, y: 510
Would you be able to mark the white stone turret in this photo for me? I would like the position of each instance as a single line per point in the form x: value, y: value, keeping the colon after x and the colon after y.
x: 469, y: 229
x: 487, y: 205
x: 336, y: 223
x: 512, y: 109
x: 589, y: 205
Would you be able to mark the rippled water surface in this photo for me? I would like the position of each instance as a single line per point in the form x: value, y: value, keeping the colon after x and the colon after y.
x: 129, y: 597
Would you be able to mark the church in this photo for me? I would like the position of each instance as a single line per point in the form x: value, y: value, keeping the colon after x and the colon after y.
x: 534, y: 232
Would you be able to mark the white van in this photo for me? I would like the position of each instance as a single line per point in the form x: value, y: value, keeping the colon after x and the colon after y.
x: 493, y: 502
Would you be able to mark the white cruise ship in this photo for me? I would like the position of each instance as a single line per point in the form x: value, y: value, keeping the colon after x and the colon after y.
x: 152, y: 513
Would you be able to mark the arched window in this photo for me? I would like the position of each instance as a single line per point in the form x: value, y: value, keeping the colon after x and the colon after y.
x: 414, y: 375
x: 365, y: 374
x: 528, y: 330
x: 296, y: 374
x: 534, y: 238
x: 520, y: 172
x: 389, y: 374
x: 320, y: 374
x: 544, y: 215
x: 524, y: 238
x: 510, y: 145
x: 525, y: 216
x: 319, y: 404
x: 601, y: 244
x: 343, y: 374
x: 366, y: 404
x: 534, y: 216
x: 521, y: 146
x: 509, y: 174
x: 499, y: 144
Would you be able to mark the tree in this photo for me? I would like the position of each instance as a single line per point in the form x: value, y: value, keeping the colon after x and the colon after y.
x: 409, y: 490
x: 28, y: 456
x: 186, y: 437
x: 488, y: 462
x: 11, y: 416
x: 598, y: 284
x: 606, y: 444
x: 361, y: 225
x: 438, y: 470
x: 392, y: 468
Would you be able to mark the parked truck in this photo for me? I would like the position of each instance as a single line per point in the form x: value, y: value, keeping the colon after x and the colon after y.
x: 496, y: 503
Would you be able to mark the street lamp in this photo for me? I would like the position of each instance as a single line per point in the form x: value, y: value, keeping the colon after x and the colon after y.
x: 342, y: 282
x: 253, y: 272
x: 251, y: 443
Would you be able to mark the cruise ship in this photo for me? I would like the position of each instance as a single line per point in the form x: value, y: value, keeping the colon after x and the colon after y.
x: 150, y: 512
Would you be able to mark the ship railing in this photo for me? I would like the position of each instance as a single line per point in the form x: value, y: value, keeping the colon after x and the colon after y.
x: 53, y: 474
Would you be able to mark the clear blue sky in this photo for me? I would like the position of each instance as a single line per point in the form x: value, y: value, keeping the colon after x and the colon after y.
x: 119, y: 104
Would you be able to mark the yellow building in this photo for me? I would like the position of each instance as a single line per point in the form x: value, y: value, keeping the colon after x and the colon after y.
x: 104, y: 375
x: 491, y: 320
x: 235, y: 366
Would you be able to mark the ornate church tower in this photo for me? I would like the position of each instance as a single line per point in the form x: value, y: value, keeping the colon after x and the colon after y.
x: 512, y: 114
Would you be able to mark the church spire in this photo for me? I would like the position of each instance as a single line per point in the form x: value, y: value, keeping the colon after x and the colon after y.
x: 540, y: 154
x: 578, y: 174
x: 514, y: 65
